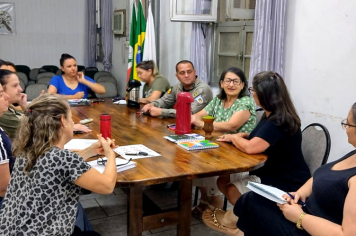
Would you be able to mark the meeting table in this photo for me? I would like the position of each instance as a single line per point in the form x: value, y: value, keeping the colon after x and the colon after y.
x: 128, y: 127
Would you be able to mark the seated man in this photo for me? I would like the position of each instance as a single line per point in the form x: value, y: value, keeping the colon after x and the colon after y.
x: 189, y: 82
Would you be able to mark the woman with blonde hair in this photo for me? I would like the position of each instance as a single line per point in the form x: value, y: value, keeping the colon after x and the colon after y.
x: 43, y: 192
x: 155, y: 84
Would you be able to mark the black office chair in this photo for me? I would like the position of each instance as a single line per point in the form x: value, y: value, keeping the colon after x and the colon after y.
x: 316, y: 144
x: 90, y: 72
x: 24, y: 69
x: 48, y: 68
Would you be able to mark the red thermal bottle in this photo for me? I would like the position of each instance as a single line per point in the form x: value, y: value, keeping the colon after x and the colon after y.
x: 105, y: 125
x: 183, y: 113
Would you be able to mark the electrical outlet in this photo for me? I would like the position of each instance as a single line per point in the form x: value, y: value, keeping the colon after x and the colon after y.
x: 127, y: 44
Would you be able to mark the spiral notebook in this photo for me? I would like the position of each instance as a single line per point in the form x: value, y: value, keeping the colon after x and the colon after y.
x: 184, y: 137
x: 269, y: 192
x: 196, y: 145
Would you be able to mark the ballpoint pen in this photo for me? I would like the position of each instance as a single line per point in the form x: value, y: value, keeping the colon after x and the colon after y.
x: 299, y: 201
x: 136, y: 154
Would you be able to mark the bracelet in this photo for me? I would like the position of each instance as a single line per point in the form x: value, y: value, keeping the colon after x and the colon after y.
x: 299, y: 222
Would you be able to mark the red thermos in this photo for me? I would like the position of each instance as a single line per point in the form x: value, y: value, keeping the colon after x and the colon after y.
x: 183, y: 113
x: 105, y: 125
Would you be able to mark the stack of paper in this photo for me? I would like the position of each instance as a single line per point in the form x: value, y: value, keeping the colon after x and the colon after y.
x: 79, y: 144
x: 269, y: 192
x: 121, y: 165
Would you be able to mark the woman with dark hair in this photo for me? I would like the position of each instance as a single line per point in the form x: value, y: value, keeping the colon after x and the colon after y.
x: 43, y: 193
x: 233, y: 112
x: 72, y: 83
x: 278, y: 134
x: 155, y: 84
x: 329, y: 195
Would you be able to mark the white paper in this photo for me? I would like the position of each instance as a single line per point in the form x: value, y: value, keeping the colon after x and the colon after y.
x: 269, y: 192
x: 120, y: 102
x: 122, y: 162
x: 79, y: 144
x: 135, y: 149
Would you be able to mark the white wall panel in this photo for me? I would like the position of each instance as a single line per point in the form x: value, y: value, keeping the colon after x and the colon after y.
x: 45, y: 30
x: 320, y: 64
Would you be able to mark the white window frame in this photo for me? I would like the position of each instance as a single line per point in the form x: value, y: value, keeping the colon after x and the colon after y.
x: 192, y: 17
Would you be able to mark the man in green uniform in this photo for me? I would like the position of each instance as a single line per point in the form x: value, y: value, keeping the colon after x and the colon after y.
x: 189, y: 82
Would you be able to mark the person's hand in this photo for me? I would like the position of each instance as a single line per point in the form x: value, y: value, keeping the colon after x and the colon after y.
x: 42, y: 92
x: 80, y: 127
x: 103, y: 146
x: 23, y: 101
x: 79, y: 95
x: 291, y: 211
x: 225, y: 138
x: 147, y: 107
x: 243, y: 135
x: 155, y: 111
x: 80, y: 77
x: 297, y: 197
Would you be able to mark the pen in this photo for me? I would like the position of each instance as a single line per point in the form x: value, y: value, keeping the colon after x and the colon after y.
x: 299, y: 201
x: 136, y: 154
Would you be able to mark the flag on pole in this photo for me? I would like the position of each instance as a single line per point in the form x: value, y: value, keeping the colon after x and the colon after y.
x: 132, y: 44
x: 150, y: 41
x: 140, y: 32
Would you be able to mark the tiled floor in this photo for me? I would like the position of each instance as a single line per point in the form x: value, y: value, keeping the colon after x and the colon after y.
x: 107, y: 213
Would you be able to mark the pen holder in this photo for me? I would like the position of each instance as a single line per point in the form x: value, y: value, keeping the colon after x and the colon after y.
x: 208, y: 126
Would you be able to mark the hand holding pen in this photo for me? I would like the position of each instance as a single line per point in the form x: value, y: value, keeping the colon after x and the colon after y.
x: 300, y: 202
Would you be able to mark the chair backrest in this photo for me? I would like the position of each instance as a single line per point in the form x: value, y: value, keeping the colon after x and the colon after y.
x: 259, y: 113
x: 101, y: 73
x: 81, y: 68
x: 34, y: 90
x: 22, y: 77
x: 33, y: 74
x: 44, y: 78
x: 90, y: 72
x: 316, y: 144
x: 49, y: 68
x: 107, y: 78
x: 110, y: 90
x: 24, y: 69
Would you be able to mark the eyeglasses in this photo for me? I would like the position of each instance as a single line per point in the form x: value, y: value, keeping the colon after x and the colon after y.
x: 101, y: 161
x: 234, y: 81
x: 250, y: 90
x: 345, y: 125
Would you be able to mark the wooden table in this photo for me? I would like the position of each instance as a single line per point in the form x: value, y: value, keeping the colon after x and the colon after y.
x: 174, y: 164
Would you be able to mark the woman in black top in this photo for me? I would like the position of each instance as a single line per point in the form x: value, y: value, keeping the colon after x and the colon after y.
x: 278, y: 134
x: 329, y: 195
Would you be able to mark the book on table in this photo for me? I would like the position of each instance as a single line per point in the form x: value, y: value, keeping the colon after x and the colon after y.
x: 121, y: 165
x: 184, y: 137
x: 198, y: 144
x: 269, y: 192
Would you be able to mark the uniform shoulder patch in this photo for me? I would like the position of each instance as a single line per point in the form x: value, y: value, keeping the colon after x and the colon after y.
x: 199, y: 99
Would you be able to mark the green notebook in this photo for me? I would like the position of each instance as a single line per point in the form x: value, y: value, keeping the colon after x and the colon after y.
x: 196, y: 145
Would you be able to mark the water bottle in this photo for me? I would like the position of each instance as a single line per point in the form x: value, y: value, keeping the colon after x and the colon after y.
x: 105, y: 125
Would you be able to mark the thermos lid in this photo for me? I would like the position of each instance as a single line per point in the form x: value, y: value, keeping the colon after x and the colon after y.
x: 105, y: 117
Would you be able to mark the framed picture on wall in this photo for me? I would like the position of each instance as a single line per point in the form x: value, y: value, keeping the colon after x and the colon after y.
x: 7, y: 18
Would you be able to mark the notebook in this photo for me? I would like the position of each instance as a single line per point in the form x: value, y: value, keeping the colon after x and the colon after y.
x: 184, y: 137
x: 124, y: 165
x: 196, y: 145
x: 269, y: 192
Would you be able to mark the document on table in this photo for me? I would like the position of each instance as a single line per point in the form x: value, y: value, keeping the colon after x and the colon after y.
x: 138, y: 148
x: 79, y: 144
x: 121, y: 165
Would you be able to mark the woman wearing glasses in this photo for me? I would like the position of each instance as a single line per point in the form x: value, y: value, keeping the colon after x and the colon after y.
x: 234, y: 112
x: 278, y: 134
x: 43, y: 193
x: 329, y: 195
